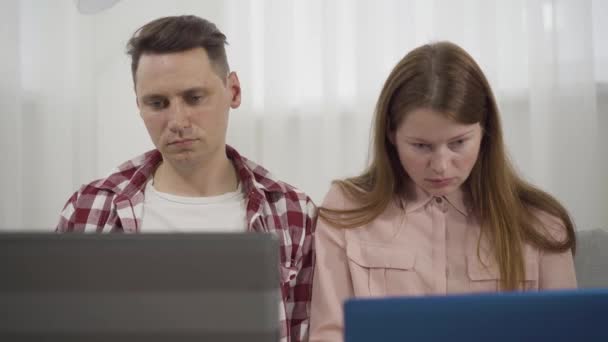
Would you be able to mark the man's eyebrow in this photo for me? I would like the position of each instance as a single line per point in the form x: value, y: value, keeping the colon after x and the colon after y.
x: 194, y: 90
x: 150, y: 97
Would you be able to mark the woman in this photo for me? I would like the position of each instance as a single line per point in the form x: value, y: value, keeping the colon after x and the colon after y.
x: 440, y: 209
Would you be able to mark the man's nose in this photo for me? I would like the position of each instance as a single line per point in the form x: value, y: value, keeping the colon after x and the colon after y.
x: 180, y: 118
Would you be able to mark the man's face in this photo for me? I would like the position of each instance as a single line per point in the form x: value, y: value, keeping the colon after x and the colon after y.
x: 185, y: 105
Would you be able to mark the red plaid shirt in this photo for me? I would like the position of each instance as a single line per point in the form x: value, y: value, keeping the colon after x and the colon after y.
x: 115, y: 204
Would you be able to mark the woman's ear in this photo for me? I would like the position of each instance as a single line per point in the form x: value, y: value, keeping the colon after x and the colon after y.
x: 390, y: 135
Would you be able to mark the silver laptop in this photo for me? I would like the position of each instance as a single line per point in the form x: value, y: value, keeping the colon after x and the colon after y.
x: 148, y: 287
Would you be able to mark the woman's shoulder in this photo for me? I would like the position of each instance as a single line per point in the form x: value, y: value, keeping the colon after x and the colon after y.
x: 550, y: 225
x: 338, y: 197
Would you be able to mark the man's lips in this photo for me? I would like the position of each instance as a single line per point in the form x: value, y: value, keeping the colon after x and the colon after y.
x: 181, y: 142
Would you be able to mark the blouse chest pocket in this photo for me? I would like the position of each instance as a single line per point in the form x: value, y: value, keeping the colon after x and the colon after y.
x: 483, y: 277
x: 486, y: 277
x: 379, y: 270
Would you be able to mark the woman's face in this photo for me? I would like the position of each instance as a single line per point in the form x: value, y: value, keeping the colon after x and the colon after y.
x: 437, y: 153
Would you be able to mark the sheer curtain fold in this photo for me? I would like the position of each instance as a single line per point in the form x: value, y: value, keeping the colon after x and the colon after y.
x: 311, y: 72
x: 10, y: 118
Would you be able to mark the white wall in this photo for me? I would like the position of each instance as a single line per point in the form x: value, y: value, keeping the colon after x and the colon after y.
x: 311, y: 72
x: 10, y: 123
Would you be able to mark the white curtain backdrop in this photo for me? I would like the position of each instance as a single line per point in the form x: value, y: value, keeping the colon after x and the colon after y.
x: 311, y: 72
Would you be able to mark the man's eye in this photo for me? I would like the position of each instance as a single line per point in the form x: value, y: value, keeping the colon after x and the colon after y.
x: 195, y: 99
x: 158, y: 104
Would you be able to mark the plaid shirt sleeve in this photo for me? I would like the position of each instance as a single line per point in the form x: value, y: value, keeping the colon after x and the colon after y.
x: 66, y: 222
x: 291, y: 214
x: 300, y: 291
x: 86, y: 210
x: 91, y: 208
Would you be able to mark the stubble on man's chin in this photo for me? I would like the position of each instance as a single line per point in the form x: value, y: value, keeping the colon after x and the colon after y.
x: 183, y: 159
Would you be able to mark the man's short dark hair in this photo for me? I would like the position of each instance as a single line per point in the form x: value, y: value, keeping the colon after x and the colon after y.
x: 176, y: 34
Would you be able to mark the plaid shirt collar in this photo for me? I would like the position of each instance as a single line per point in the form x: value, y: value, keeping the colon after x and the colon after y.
x: 129, y: 181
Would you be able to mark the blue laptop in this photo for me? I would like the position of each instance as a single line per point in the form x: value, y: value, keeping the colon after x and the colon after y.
x: 574, y: 315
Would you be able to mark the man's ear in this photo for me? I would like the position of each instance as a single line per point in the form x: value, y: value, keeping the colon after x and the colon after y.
x: 138, y: 106
x: 234, y: 85
x: 136, y: 97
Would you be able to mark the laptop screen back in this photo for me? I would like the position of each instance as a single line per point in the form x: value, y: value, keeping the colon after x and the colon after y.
x: 531, y: 316
x: 154, y: 287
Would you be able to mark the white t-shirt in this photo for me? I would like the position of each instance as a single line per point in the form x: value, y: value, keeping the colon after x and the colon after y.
x: 166, y: 213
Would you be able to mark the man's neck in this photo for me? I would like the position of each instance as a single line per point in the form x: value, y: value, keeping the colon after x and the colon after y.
x: 209, y: 178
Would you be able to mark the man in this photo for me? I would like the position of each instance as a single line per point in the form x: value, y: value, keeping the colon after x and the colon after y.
x: 193, y: 181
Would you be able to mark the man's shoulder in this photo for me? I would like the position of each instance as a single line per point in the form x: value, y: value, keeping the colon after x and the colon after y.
x: 133, y: 172
x: 139, y: 161
x: 92, y: 204
x: 268, y: 182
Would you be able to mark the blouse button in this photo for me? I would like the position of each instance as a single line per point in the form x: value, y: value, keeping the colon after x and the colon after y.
x: 438, y: 200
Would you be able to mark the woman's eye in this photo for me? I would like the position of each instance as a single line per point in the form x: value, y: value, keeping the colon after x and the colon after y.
x: 421, y: 146
x: 457, y: 143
